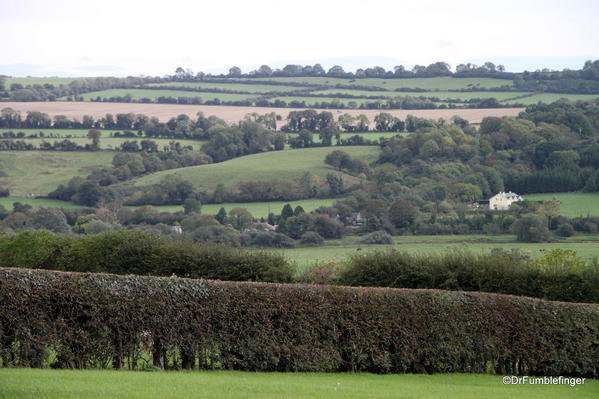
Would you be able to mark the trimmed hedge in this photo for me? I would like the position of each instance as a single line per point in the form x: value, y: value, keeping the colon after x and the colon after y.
x: 136, y: 252
x: 103, y: 320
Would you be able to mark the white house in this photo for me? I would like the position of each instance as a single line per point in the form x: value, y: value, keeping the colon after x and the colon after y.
x: 502, y: 201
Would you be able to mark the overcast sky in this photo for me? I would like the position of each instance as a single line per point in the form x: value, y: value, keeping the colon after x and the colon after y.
x: 120, y: 37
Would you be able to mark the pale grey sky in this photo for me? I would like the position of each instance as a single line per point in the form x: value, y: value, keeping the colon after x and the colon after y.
x: 119, y: 37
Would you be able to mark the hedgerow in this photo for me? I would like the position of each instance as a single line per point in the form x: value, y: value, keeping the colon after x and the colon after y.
x: 102, y: 320
x: 558, y: 275
x: 136, y: 252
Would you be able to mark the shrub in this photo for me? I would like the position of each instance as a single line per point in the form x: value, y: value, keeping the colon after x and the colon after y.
x: 565, y: 230
x: 93, y: 320
x: 312, y: 238
x: 266, y: 239
x: 376, y: 237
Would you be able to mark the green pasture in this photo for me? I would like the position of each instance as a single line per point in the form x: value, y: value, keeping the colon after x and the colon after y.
x: 572, y: 204
x: 7, y: 202
x: 137, y: 94
x: 340, y: 250
x: 39, y: 81
x: 348, y: 102
x: 257, y: 209
x: 551, y: 97
x: 437, y: 83
x: 442, y: 95
x: 274, y: 165
x: 108, y: 384
x: 250, y: 88
x: 39, y: 172
x: 111, y: 143
x: 367, y: 135
x: 60, y: 133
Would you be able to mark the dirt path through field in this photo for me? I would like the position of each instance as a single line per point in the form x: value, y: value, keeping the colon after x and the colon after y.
x: 232, y: 114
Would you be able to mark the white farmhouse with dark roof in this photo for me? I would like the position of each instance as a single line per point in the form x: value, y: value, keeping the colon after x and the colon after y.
x: 502, y: 201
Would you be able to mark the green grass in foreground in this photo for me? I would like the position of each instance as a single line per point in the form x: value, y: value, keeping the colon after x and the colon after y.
x: 154, y: 94
x: 572, y: 204
x: 92, y: 384
x: 39, y: 172
x: 340, y: 250
x: 274, y: 165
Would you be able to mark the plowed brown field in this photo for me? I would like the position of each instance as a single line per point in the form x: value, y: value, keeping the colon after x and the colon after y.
x: 232, y: 114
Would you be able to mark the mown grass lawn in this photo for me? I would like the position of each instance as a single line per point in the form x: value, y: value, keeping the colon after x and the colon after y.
x: 92, y: 384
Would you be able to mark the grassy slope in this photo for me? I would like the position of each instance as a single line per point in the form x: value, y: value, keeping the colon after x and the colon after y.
x: 285, y: 165
x: 91, y: 384
x: 39, y: 172
x: 440, y: 83
x: 572, y: 204
x: 339, y: 250
x: 153, y: 94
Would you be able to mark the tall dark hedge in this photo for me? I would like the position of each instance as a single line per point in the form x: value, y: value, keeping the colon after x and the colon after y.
x: 102, y: 320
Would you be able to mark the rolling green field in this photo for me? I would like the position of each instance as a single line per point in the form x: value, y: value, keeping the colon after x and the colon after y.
x: 438, y: 83
x: 313, y: 100
x: 250, y: 88
x: 367, y: 135
x: 39, y: 172
x: 285, y: 165
x: 340, y: 250
x: 107, y: 384
x: 39, y: 81
x: 443, y: 95
x: 572, y: 204
x: 257, y: 209
x: 110, y: 143
x: 60, y: 133
x: 551, y: 97
x: 35, y: 202
x: 154, y: 94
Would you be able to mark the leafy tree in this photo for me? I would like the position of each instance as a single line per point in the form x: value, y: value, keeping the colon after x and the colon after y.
x: 286, y: 212
x: 240, y: 218
x: 94, y: 135
x: 234, y: 72
x: 531, y: 228
x: 221, y: 216
x: 191, y: 205
x: 402, y: 213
